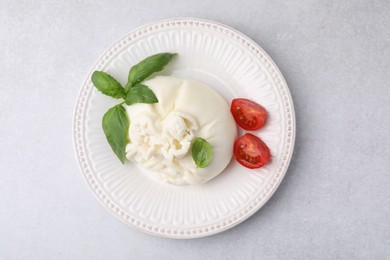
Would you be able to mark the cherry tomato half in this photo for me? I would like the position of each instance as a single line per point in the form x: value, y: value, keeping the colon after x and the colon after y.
x: 248, y: 114
x: 251, y: 152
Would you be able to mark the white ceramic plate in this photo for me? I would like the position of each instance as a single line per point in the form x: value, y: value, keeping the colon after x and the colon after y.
x: 234, y: 66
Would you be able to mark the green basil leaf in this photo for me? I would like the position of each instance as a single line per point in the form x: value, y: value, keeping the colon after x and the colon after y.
x: 140, y: 94
x: 202, y: 152
x: 115, y: 126
x: 147, y: 67
x: 106, y: 84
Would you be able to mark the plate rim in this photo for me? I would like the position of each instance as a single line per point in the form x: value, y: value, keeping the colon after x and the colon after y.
x: 191, y: 232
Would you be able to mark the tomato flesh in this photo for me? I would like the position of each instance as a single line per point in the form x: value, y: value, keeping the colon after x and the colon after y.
x: 251, y: 152
x: 248, y: 114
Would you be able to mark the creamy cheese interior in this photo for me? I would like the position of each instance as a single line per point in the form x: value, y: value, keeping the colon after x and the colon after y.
x: 161, y: 134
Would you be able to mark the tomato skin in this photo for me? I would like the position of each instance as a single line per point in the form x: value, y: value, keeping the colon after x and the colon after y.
x: 251, y: 152
x: 248, y: 114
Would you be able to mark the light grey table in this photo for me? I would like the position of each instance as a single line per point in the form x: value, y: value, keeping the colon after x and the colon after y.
x: 335, y: 200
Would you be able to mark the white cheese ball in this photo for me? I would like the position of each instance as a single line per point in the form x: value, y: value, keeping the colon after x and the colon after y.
x: 161, y: 134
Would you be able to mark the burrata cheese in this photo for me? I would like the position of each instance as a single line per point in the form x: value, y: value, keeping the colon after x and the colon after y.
x: 161, y: 134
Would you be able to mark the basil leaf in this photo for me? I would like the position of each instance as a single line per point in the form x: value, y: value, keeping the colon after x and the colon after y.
x: 140, y: 94
x: 147, y: 67
x: 106, y: 84
x: 202, y: 153
x: 115, y: 126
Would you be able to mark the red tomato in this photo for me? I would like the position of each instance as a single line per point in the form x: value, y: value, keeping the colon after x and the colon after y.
x: 248, y: 114
x: 251, y: 152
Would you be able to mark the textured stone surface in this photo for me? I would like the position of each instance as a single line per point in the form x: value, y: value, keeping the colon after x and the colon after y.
x: 334, y: 201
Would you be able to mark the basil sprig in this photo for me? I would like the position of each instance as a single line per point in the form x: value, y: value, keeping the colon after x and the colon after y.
x: 115, y: 122
x: 202, y: 152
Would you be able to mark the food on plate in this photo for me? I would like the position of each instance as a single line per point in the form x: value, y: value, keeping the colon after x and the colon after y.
x: 248, y: 114
x: 251, y: 152
x: 188, y: 113
x: 181, y: 130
